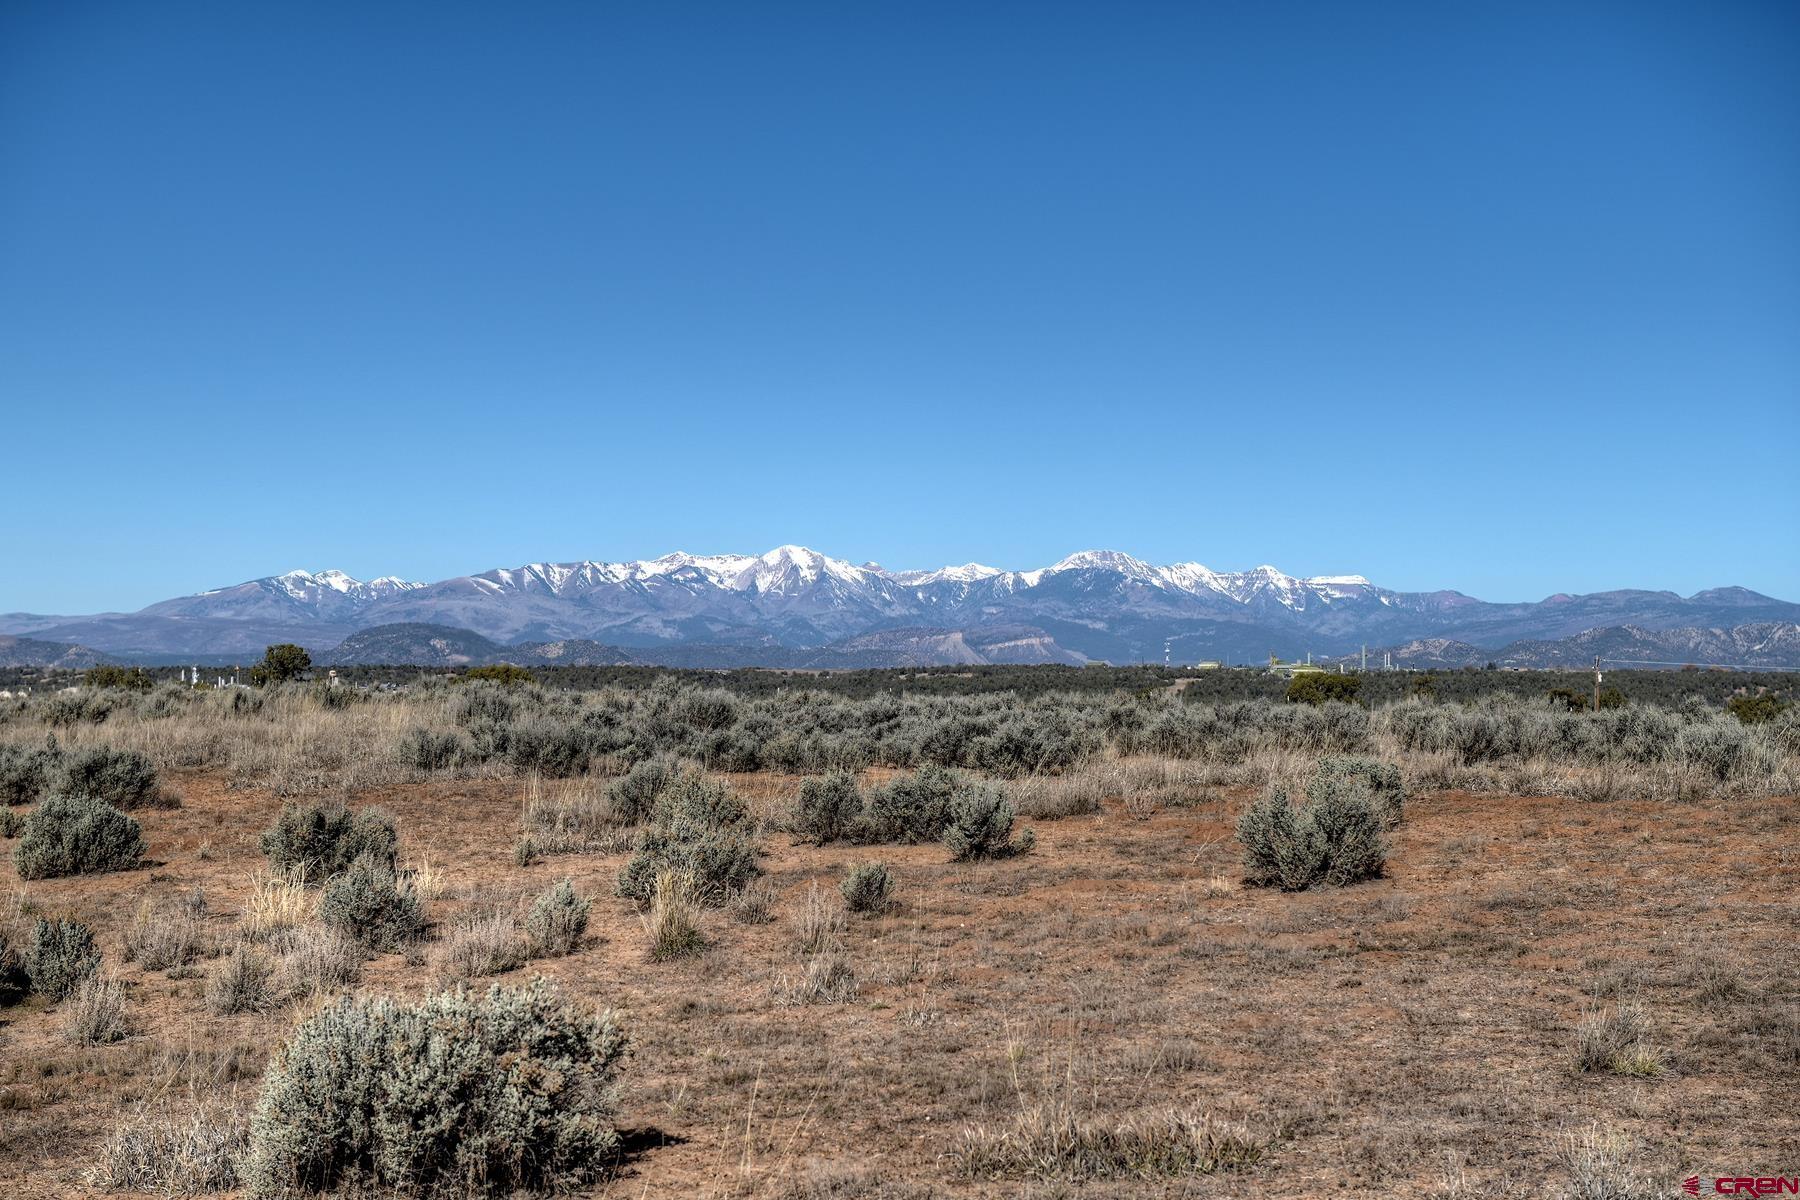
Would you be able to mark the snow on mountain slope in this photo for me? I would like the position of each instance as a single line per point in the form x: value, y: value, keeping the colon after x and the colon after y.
x: 1099, y: 603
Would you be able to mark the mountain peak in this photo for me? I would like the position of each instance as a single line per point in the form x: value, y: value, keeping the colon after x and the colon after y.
x: 1104, y: 560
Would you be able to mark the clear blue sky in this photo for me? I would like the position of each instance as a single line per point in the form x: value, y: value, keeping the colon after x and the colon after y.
x: 430, y: 289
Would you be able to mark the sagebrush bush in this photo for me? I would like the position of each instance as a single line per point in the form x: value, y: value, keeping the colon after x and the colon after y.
x: 429, y: 750
x: 124, y: 779
x: 62, y: 956
x: 317, y: 841
x: 699, y: 830
x: 557, y: 920
x: 1379, y: 781
x: 828, y: 807
x: 868, y: 888
x: 25, y: 775
x: 1336, y: 839
x: 550, y: 748
x: 980, y: 827
x: 914, y: 808
x: 464, y: 1094
x: 11, y: 823
x: 368, y: 903
x: 76, y: 835
x: 634, y: 795
x: 79, y: 708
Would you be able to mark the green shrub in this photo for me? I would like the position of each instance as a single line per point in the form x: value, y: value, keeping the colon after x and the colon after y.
x: 457, y: 1094
x: 698, y: 829
x: 11, y: 823
x: 1758, y: 709
x: 318, y: 841
x: 1378, y: 781
x: 505, y: 674
x: 124, y: 779
x: 1318, y: 687
x: 76, y: 835
x: 131, y: 679
x: 280, y: 664
x: 368, y: 903
x: 62, y: 956
x: 25, y: 775
x: 828, y: 807
x: 867, y: 888
x: 981, y: 821
x: 913, y: 808
x: 557, y: 920
x: 1336, y: 839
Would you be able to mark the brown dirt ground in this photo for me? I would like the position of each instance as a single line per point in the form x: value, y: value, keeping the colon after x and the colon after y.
x: 1386, y: 1029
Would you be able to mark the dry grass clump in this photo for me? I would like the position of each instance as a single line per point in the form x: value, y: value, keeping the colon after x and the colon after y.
x: 426, y: 880
x: 819, y: 925
x: 1053, y: 797
x: 1617, y: 1039
x: 318, y: 961
x: 1600, y: 1168
x: 94, y: 1014
x: 163, y: 936
x: 572, y: 816
x: 672, y: 918
x: 829, y: 978
x: 278, y: 903
x: 755, y: 905
x: 478, y: 944
x: 173, y: 1152
x: 1052, y: 1141
x: 240, y: 982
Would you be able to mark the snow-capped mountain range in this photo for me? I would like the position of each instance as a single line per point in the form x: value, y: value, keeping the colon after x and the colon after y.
x: 1096, y: 604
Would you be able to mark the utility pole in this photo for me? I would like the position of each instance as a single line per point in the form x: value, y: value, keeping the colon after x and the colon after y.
x: 1365, y: 660
x: 1596, y: 683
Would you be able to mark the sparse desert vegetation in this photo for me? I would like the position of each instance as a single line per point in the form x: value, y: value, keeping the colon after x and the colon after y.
x: 920, y: 942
